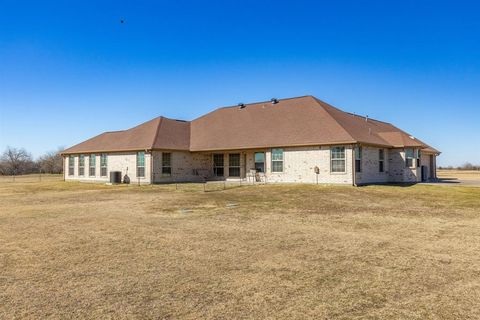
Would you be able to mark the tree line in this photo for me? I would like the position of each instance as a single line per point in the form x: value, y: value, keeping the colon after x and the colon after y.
x: 465, y: 166
x: 18, y: 161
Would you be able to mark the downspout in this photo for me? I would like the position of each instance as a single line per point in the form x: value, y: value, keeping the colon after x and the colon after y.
x: 151, y: 166
x: 354, y: 170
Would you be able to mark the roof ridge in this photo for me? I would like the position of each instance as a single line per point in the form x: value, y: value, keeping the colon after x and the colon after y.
x: 156, y: 131
x: 369, y: 123
x: 267, y: 101
x: 321, y: 104
x: 247, y: 104
x: 113, y: 131
x: 360, y: 116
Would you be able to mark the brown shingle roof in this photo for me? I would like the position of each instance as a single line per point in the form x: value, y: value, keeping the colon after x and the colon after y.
x: 290, y: 122
x: 158, y: 133
x: 296, y: 121
x: 371, y: 131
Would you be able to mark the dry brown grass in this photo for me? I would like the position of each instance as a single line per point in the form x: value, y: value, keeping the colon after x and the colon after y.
x: 72, y: 250
x: 459, y: 174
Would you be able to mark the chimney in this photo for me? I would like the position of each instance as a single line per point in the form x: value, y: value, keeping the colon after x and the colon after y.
x: 274, y: 100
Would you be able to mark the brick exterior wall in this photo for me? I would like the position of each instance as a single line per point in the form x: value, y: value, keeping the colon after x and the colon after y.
x: 300, y: 162
x: 427, y: 162
x: 370, y: 166
x: 124, y: 162
x: 298, y: 166
x: 185, y: 166
x: 398, y: 170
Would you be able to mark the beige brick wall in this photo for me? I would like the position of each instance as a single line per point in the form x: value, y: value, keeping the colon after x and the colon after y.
x: 398, y: 171
x: 124, y: 162
x: 184, y: 165
x: 370, y: 169
x: 425, y: 157
x: 299, y: 164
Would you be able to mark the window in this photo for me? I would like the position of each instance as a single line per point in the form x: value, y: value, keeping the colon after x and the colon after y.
x: 419, y: 157
x: 91, y: 165
x: 218, y: 164
x: 260, y: 161
x: 277, y: 160
x: 71, y: 165
x: 338, y: 159
x: 358, y: 159
x: 166, y: 163
x: 234, y: 164
x: 81, y: 165
x: 140, y: 164
x: 103, y: 165
x: 409, y: 157
x: 381, y: 160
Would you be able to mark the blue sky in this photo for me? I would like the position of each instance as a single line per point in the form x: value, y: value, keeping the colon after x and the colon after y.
x: 70, y: 70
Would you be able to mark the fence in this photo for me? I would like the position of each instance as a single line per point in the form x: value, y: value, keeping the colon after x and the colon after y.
x: 31, y: 178
x: 207, y: 181
x: 195, y: 183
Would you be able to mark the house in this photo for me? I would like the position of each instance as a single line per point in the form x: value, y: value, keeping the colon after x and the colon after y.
x: 299, y: 139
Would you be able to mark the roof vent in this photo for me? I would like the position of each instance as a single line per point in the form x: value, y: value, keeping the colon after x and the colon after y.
x: 241, y: 105
x: 366, y: 118
x: 274, y: 100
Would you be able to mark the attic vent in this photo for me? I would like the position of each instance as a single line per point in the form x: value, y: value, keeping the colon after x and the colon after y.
x: 412, y: 137
x: 180, y: 120
x: 274, y: 100
x: 241, y: 105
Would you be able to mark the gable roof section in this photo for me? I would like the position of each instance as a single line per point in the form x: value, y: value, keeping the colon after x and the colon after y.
x: 371, y: 131
x: 172, y: 134
x: 290, y: 122
x: 161, y: 133
x: 300, y: 121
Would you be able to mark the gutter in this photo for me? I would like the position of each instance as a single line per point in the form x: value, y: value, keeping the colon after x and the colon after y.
x: 151, y: 166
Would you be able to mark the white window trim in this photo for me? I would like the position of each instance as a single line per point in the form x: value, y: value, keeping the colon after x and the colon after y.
x: 105, y: 166
x: 166, y: 174
x: 71, y: 165
x: 137, y: 166
x: 90, y: 165
x: 381, y: 160
x: 216, y: 167
x: 412, y: 158
x: 358, y: 157
x: 239, y: 165
x: 82, y: 166
x: 344, y: 160
x: 282, y: 161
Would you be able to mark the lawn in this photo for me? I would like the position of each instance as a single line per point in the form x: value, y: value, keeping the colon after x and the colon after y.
x: 459, y: 174
x: 78, y: 250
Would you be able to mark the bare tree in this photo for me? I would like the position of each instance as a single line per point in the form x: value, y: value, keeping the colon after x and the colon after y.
x: 51, y: 162
x: 15, y: 161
